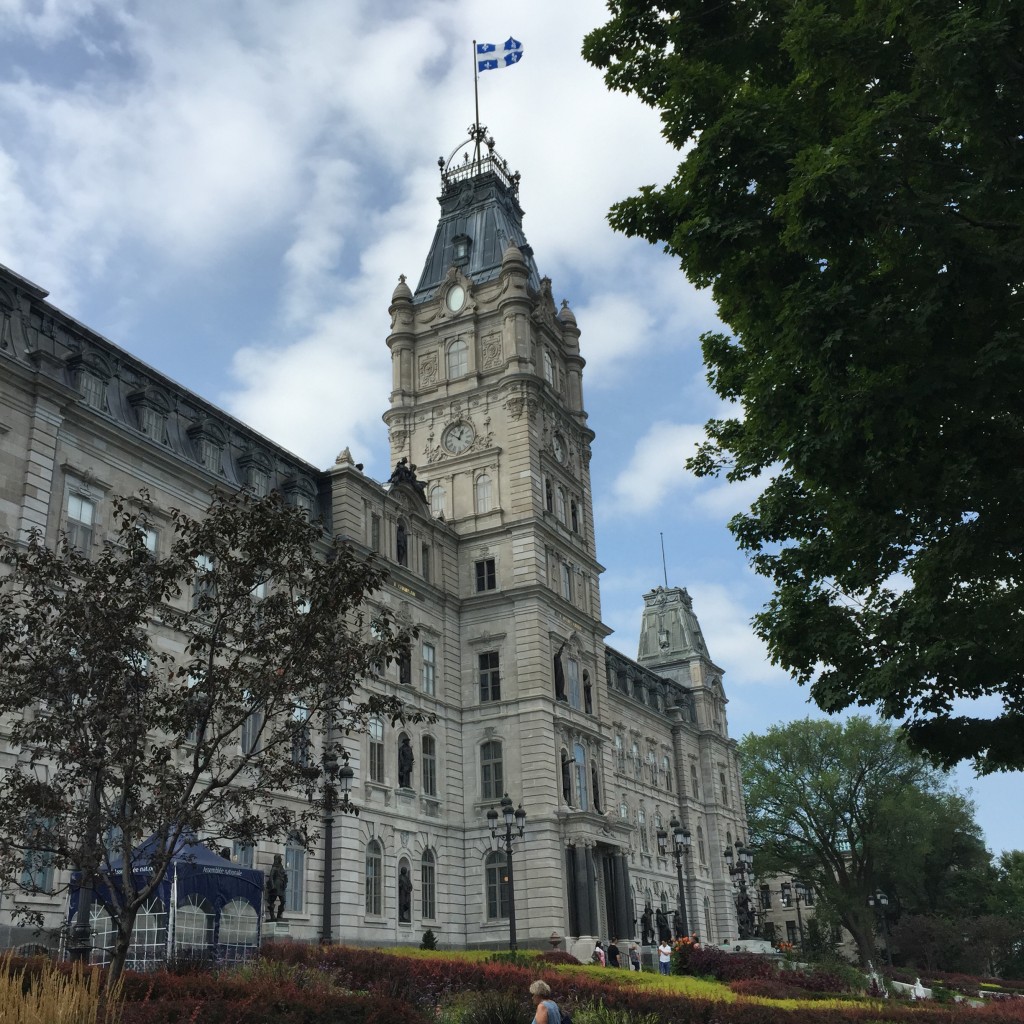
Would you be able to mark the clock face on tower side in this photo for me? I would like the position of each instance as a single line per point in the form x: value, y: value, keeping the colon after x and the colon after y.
x: 458, y: 437
x: 456, y: 298
x: 558, y: 447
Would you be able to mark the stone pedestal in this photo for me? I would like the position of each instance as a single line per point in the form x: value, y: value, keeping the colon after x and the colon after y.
x: 277, y: 931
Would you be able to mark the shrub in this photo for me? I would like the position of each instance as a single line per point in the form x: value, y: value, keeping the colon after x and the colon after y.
x: 429, y: 940
x: 557, y: 956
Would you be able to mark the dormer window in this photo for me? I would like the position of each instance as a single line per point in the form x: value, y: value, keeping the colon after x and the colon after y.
x: 151, y: 409
x: 256, y: 473
x: 460, y: 249
x: 91, y: 375
x: 208, y: 441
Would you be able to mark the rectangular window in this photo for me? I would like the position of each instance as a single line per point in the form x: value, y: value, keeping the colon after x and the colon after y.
x: 573, y: 673
x: 490, y: 676
x: 202, y: 585
x: 425, y: 562
x: 81, y: 515
x: 791, y: 932
x: 152, y: 540
x: 693, y: 782
x: 429, y: 668
x: 405, y: 668
x: 375, y: 533
x: 37, y: 866
x: 429, y: 766
x: 93, y: 390
x: 242, y: 854
x: 251, y: 729
x: 492, y: 785
x: 497, y: 887
x: 725, y: 789
x: 766, y: 898
x: 295, y: 866
x: 486, y: 578
x: 567, y: 581
x: 376, y: 729
x: 428, y: 890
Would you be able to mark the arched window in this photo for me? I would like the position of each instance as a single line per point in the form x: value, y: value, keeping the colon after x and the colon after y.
x: 458, y: 359
x: 193, y: 924
x: 437, y: 500
x: 624, y: 811
x: 560, y: 504
x: 491, y: 776
x: 428, y: 766
x: 428, y: 886
x: 374, y: 879
x: 295, y: 865
x: 700, y: 845
x: 580, y: 753
x: 496, y: 878
x: 549, y: 368
x: 483, y: 493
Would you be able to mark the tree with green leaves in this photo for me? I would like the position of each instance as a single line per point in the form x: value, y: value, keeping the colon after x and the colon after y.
x: 150, y: 698
x: 850, y: 809
x: 850, y: 191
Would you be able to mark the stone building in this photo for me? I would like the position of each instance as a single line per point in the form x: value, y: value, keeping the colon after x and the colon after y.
x: 487, y: 526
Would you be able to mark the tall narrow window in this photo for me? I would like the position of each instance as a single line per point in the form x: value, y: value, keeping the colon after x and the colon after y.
x: 580, y: 753
x: 428, y: 766
x: 437, y: 500
x: 203, y: 587
x: 81, y: 514
x: 573, y: 672
x: 700, y: 845
x: 641, y: 824
x: 492, y: 784
x: 37, y: 863
x: 483, y: 493
x: 375, y: 533
x: 375, y: 729
x: 766, y: 897
x: 301, y: 738
x: 497, y: 886
x: 429, y: 667
x: 252, y: 729
x: 242, y: 854
x: 709, y: 936
x: 588, y: 694
x: 620, y: 753
x: 490, y: 676
x: 401, y: 544
x: 560, y: 504
x: 151, y: 540
x: 425, y: 557
x: 405, y: 668
x: 549, y: 496
x: 486, y: 577
x: 458, y: 359
x: 295, y: 867
x: 694, y: 786
x: 549, y: 368
x: 725, y: 789
x: 566, y: 779
x: 666, y: 769
x: 567, y: 581
x: 428, y: 886
x: 374, y: 879
x: 574, y: 516
x: 93, y: 390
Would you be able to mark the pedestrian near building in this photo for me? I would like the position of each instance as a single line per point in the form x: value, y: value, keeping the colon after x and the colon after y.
x: 546, y: 1010
x: 613, y: 953
x: 598, y: 955
x: 634, y: 957
x: 664, y: 957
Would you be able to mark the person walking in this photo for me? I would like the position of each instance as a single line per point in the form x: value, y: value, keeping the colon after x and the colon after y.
x: 634, y: 957
x: 664, y: 957
x: 546, y: 1010
x: 598, y: 955
x: 613, y: 953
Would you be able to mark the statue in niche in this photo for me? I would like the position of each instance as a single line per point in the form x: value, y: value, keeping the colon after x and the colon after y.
x: 559, y: 674
x: 277, y: 886
x: 597, y: 792
x: 405, y: 763
x: 404, y: 895
x: 647, y: 926
x: 664, y: 932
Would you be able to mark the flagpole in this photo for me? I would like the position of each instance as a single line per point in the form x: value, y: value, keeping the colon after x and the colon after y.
x: 476, y: 106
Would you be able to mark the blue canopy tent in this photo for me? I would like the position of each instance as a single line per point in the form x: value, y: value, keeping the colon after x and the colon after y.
x: 204, y: 907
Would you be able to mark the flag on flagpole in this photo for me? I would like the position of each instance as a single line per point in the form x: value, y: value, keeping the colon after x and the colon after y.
x: 491, y: 56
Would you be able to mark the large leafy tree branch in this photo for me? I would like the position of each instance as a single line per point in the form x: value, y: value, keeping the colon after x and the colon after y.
x: 850, y: 191
x: 175, y: 694
x: 850, y: 808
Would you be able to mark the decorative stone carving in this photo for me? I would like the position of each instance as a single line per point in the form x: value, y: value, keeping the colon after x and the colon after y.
x: 491, y: 356
x: 428, y: 369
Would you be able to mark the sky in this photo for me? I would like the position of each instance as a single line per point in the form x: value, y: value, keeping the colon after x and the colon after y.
x: 230, y: 190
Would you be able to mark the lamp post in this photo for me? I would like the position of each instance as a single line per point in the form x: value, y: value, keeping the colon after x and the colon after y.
x: 680, y: 847
x: 797, y: 891
x: 516, y: 818
x: 342, y: 777
x: 741, y: 864
x: 879, y: 903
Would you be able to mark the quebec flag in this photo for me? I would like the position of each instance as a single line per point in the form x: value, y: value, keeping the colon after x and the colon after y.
x: 489, y: 56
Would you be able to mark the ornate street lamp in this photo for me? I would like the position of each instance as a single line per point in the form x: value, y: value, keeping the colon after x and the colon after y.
x: 512, y: 819
x: 797, y: 891
x: 879, y: 903
x: 680, y: 847
x: 741, y: 865
x: 342, y: 779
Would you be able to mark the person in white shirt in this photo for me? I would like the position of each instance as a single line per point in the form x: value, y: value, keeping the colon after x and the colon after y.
x: 664, y: 956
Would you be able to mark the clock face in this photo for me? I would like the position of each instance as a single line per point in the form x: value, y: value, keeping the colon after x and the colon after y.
x: 458, y: 437
x: 558, y: 447
x: 456, y: 298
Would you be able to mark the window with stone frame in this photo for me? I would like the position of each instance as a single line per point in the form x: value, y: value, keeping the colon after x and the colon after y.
x: 482, y: 491
x: 437, y: 496
x: 582, y: 797
x: 620, y: 753
x: 694, y: 784
x: 490, y: 676
x: 374, y: 880
x: 425, y: 562
x: 560, y: 504
x: 375, y: 532
x: 428, y: 886
x: 725, y: 789
x: 428, y: 765
x: 492, y: 783
x: 295, y: 868
x: 429, y: 669
x: 486, y: 575
x: 574, y: 516
x: 496, y: 881
x: 549, y: 368
x: 567, y: 581
x: 641, y: 825
x: 81, y: 518
x: 375, y: 732
x: 702, y: 853
x: 93, y: 389
x: 573, y: 679
x: 457, y: 359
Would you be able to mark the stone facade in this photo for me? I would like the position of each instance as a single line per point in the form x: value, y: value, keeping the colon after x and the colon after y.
x: 487, y: 526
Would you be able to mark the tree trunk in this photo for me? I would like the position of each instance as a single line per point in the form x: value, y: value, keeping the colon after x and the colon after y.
x: 125, y: 923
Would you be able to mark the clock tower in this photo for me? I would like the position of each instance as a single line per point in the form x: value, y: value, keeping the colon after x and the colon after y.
x: 487, y: 403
